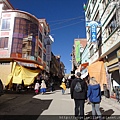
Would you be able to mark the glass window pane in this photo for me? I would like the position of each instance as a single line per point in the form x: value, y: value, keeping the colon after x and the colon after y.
x: 5, y: 24
x: 3, y: 42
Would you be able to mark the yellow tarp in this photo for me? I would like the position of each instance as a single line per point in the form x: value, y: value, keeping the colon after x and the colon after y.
x: 10, y: 76
x: 20, y: 73
x: 97, y: 70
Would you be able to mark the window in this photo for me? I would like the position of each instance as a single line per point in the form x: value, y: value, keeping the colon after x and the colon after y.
x: 40, y: 52
x: 25, y: 27
x: 94, y: 2
x: 5, y: 24
x: 44, y: 44
x: 97, y: 17
x: 99, y: 41
x: 105, y: 2
x: 111, y: 25
x: 17, y: 46
x: 91, y: 51
x: 4, y: 42
x: 44, y: 57
x: 88, y: 15
x: 40, y: 36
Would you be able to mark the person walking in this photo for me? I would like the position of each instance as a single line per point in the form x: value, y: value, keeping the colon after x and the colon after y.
x: 78, y: 92
x: 67, y: 84
x: 52, y: 86
x: 117, y: 93
x: 94, y: 95
x: 63, y: 86
x: 43, y: 87
x: 37, y: 85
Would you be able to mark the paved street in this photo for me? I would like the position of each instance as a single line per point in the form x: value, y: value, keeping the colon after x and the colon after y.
x: 50, y: 106
x: 62, y: 105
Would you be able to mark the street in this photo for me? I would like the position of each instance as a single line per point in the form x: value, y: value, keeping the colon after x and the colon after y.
x: 21, y: 104
x: 50, y: 106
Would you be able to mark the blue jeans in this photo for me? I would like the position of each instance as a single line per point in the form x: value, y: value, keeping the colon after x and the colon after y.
x: 79, y: 108
x: 96, y: 109
x: 63, y: 91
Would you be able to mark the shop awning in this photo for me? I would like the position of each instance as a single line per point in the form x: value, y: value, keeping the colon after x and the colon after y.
x: 97, y: 70
x: 20, y: 73
x: 84, y: 65
x: 22, y: 60
x: 83, y: 69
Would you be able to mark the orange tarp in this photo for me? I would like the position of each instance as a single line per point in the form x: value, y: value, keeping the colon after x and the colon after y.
x: 85, y: 64
x: 97, y: 70
x: 82, y: 66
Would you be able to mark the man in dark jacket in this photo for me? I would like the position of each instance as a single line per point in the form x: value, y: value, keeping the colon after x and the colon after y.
x: 79, y: 97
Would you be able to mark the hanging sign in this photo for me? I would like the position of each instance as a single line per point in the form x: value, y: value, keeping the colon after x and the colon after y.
x: 93, y: 29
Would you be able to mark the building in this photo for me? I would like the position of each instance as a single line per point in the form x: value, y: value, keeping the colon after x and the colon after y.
x: 78, y: 47
x: 107, y: 43
x: 22, y: 40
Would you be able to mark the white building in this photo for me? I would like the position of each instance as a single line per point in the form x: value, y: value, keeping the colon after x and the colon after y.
x: 107, y: 46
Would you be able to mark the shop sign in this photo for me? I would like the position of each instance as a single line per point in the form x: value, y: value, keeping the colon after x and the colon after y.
x: 93, y: 29
x: 27, y: 64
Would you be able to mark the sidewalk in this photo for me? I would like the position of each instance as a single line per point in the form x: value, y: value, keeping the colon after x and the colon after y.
x: 63, y: 105
x: 111, y: 101
x: 60, y: 105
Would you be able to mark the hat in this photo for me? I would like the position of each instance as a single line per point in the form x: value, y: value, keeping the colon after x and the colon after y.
x: 78, y: 74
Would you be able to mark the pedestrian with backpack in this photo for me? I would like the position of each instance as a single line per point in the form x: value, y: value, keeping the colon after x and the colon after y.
x: 79, y: 94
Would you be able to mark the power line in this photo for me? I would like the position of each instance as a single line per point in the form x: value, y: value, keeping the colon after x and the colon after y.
x: 66, y: 26
x: 66, y: 19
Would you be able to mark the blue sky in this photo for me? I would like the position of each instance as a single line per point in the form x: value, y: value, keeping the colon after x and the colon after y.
x: 66, y: 19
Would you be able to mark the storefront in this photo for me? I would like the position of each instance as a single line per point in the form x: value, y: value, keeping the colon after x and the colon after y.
x: 18, y: 70
x: 113, y: 67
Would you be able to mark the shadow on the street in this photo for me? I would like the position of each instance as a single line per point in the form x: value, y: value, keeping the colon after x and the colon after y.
x: 105, y: 114
x: 23, y: 110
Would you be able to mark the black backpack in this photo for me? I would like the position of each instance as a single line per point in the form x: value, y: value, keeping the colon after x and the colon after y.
x: 78, y: 87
